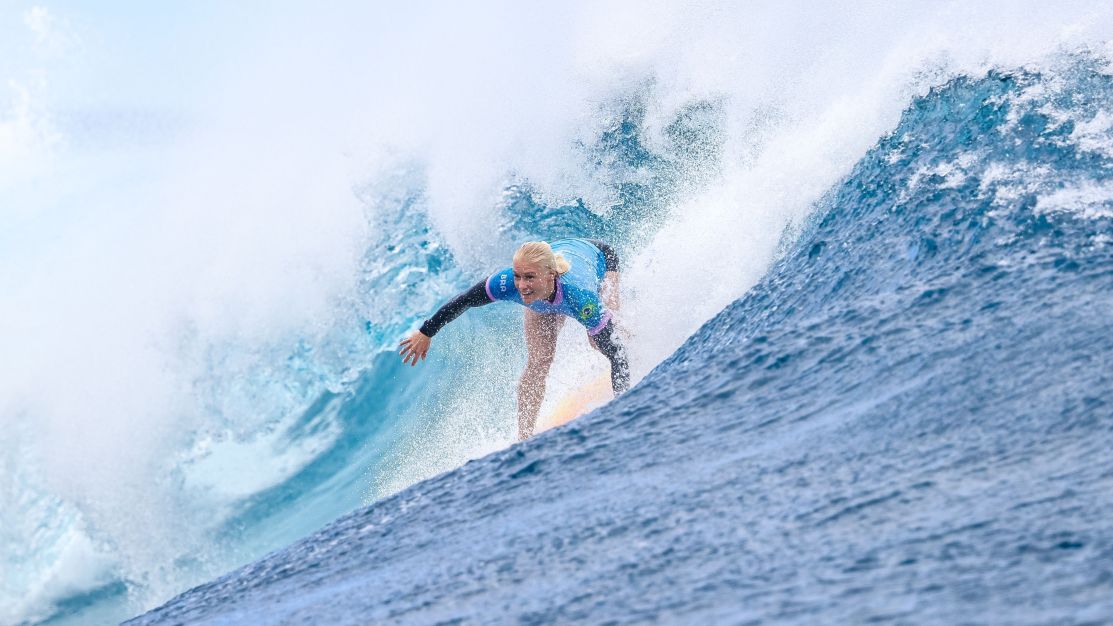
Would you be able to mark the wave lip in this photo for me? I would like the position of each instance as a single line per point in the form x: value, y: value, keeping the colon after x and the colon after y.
x: 907, y: 419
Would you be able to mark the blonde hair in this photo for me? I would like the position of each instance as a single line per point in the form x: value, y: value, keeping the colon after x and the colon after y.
x: 541, y: 253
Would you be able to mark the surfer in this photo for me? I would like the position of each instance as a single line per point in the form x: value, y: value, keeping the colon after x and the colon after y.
x: 575, y: 278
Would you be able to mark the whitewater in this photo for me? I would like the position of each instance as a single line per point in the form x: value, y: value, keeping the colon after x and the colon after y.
x: 868, y: 263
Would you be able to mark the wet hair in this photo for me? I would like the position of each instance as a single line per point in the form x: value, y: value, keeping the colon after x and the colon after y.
x: 540, y: 253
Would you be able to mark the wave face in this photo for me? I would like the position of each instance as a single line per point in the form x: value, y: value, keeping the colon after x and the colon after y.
x: 907, y: 419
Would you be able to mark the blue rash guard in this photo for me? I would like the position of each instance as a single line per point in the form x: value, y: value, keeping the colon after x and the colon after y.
x: 577, y: 290
x: 576, y: 295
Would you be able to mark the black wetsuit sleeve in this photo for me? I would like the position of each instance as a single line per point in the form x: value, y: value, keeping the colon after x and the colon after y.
x: 612, y: 347
x: 476, y: 296
x: 610, y: 258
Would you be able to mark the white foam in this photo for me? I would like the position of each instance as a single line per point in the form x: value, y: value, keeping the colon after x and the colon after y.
x: 28, y: 141
x: 227, y: 469
x: 1088, y: 199
x: 1095, y: 135
x: 75, y: 566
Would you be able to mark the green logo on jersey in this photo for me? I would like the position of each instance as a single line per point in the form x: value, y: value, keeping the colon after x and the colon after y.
x: 587, y: 311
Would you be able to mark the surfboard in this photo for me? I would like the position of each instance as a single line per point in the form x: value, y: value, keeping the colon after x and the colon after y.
x: 577, y: 402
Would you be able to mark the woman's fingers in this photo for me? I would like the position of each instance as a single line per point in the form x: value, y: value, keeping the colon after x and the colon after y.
x: 407, y: 351
x: 413, y: 349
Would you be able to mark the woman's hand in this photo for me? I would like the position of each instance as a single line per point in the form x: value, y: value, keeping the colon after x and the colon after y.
x: 414, y: 347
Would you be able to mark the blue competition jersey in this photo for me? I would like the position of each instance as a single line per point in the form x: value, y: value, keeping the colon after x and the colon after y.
x: 577, y: 290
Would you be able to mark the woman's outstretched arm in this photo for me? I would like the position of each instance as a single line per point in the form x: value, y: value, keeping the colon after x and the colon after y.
x: 416, y: 346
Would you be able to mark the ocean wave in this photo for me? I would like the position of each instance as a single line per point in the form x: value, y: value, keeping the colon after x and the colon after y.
x: 205, y: 348
x: 906, y: 419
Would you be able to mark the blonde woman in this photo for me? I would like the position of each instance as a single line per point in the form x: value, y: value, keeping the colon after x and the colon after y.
x: 575, y: 278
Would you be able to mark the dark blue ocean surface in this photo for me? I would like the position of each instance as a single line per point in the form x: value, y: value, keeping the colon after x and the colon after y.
x: 909, y: 420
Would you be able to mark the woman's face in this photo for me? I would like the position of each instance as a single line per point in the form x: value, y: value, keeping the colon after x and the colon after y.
x: 534, y: 282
